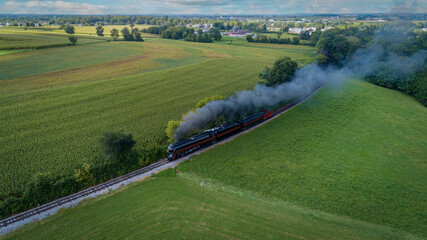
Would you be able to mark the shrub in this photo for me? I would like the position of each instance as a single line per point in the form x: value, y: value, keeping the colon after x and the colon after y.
x: 10, y: 205
x: 39, y: 190
x: 66, y: 186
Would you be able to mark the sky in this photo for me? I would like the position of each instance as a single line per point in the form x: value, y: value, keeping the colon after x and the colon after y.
x: 221, y: 7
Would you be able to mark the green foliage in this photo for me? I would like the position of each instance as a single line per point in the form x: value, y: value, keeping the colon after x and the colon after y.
x: 199, y: 37
x: 114, y: 33
x: 127, y: 35
x: 84, y: 175
x: 73, y: 40
x: 266, y: 39
x: 133, y: 35
x: 69, y: 29
x: 66, y: 186
x: 337, y: 45
x: 100, y: 31
x: 176, y: 32
x: 151, y: 154
x: 215, y: 34
x: 203, y: 102
x: 10, y: 205
x: 137, y: 35
x: 335, y: 48
x: 282, y: 71
x: 296, y: 40
x: 117, y: 145
x: 170, y: 130
x: 414, y: 84
x: 39, y: 190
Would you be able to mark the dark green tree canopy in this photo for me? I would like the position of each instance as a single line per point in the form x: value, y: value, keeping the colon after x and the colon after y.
x: 73, y: 40
x: 100, y: 31
x: 215, y: 33
x: 69, y: 29
x: 282, y: 71
x: 114, y: 33
x: 116, y: 145
x: 127, y: 35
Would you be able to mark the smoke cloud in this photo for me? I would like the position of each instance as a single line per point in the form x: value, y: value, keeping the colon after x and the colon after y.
x: 306, y: 79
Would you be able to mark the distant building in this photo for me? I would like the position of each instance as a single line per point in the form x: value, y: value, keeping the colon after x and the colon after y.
x: 295, y: 30
x: 241, y: 33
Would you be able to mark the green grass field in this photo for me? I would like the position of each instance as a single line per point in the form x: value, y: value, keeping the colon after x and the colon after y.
x: 55, y: 103
x: 12, y: 40
x: 185, y: 207
x: 356, y: 150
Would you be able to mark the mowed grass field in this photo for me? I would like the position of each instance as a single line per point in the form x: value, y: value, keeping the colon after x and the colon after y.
x: 185, y: 207
x: 356, y: 150
x: 55, y: 103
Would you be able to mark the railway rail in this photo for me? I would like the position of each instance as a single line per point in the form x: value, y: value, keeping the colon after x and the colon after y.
x: 18, y: 220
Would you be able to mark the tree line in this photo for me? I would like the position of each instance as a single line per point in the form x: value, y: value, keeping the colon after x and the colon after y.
x: 188, y: 34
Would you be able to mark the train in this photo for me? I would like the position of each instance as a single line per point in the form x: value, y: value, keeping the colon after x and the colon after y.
x: 213, y: 135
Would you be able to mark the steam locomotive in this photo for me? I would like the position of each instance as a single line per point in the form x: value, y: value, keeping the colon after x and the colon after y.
x: 211, y: 136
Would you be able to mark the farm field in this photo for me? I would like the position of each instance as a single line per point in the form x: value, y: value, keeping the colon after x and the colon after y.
x: 21, y: 40
x: 88, y: 31
x: 309, y: 157
x: 165, y: 207
x: 56, y: 106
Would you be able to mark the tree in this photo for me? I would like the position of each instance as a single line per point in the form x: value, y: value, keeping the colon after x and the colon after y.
x: 84, y: 175
x: 215, y: 33
x: 203, y: 102
x: 114, y: 33
x: 73, y: 40
x: 127, y: 36
x: 117, y: 145
x: 249, y: 38
x: 283, y: 70
x: 170, y: 130
x: 137, y: 35
x: 100, y: 31
x: 69, y: 29
x: 279, y: 34
x: 335, y: 48
x: 295, y: 40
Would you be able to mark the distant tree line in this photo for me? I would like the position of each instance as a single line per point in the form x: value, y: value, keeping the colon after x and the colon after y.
x: 185, y: 33
x: 264, y: 39
x: 119, y: 157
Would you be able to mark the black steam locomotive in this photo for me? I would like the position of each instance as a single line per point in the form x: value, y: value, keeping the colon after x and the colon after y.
x: 211, y: 136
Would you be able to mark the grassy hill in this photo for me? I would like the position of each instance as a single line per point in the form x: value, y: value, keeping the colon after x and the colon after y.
x: 356, y: 150
x: 187, y: 207
x: 55, y: 103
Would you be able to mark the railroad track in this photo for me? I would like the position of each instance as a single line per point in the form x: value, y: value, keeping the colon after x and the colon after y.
x: 15, y: 219
x: 75, y: 196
